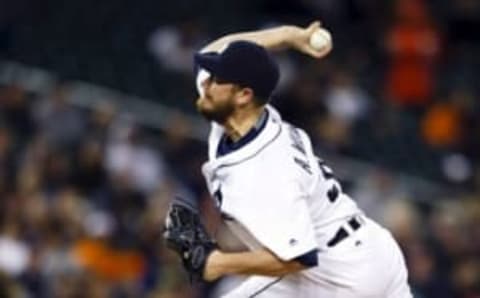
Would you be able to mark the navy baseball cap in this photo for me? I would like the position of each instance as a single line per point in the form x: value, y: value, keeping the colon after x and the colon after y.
x: 244, y: 63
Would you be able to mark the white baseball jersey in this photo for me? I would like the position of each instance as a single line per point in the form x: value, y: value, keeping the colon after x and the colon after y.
x: 259, y: 185
x: 273, y: 192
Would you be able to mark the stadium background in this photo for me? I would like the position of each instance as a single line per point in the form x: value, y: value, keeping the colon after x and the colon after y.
x: 98, y: 132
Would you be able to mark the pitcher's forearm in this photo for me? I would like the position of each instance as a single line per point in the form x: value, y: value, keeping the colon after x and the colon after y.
x: 277, y: 38
x: 258, y: 262
x: 272, y: 39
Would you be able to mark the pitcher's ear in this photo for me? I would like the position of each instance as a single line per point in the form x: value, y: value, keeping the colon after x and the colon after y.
x: 244, y: 95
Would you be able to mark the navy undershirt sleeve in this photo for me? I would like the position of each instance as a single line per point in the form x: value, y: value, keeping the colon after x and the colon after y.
x: 309, y: 259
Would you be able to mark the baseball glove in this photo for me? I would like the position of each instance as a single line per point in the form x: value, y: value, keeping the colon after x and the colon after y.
x: 185, y: 234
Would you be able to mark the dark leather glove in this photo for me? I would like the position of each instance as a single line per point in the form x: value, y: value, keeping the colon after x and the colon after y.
x: 185, y: 234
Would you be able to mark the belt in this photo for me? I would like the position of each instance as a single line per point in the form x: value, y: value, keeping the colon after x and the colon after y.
x: 342, y: 233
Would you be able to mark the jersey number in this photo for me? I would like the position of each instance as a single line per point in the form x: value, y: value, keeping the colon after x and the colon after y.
x: 327, y: 173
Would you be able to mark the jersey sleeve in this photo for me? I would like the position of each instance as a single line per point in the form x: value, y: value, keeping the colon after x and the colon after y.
x: 277, y: 216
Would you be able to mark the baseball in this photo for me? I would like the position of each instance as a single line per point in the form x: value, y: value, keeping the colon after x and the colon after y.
x: 320, y: 39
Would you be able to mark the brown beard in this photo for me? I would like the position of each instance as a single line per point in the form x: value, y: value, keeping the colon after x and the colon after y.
x: 219, y: 113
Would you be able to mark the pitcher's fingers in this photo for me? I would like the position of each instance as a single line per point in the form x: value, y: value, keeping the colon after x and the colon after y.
x: 314, y: 26
x: 319, y: 53
x: 312, y: 52
x: 323, y: 52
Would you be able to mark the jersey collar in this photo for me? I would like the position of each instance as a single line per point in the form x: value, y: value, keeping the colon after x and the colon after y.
x: 226, y: 145
x: 255, y: 141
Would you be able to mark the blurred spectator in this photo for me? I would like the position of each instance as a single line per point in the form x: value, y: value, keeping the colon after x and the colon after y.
x: 33, y: 279
x: 413, y: 45
x: 441, y: 125
x: 374, y: 191
x: 466, y: 278
x: 90, y: 175
x: 108, y: 263
x: 425, y: 278
x: 174, y: 45
x: 9, y: 288
x: 345, y: 100
x: 14, y: 252
x: 472, y: 214
x: 17, y: 114
x: 404, y: 222
x: 131, y: 161
x: 57, y: 171
x: 444, y: 124
x: 7, y: 161
x: 457, y: 168
x: 346, y: 104
x: 177, y: 146
x: 100, y: 123
x: 447, y: 223
x: 445, y: 127
x: 62, y: 125
x: 303, y: 98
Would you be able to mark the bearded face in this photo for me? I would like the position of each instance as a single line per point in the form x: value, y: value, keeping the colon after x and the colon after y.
x: 217, y: 103
x: 215, y: 111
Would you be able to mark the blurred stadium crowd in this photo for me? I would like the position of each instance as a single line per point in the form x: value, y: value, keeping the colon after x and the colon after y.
x: 83, y: 190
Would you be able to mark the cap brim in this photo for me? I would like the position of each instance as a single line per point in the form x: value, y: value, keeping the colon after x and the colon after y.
x: 208, y: 61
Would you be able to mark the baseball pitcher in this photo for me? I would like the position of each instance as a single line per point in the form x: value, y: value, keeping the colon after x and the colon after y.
x: 306, y: 237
